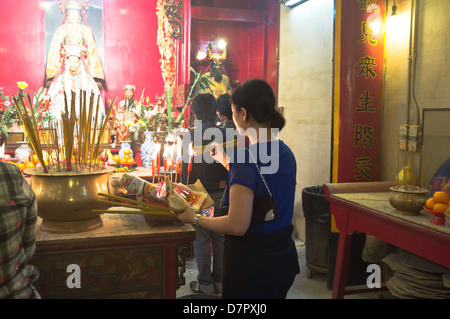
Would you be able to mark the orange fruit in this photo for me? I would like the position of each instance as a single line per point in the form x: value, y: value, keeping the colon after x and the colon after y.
x: 430, y: 203
x: 116, y: 158
x: 440, y: 207
x: 126, y: 152
x: 29, y: 165
x: 130, y: 161
x: 441, y: 197
x: 34, y: 159
x: 21, y: 166
x: 123, y: 161
x: 126, y: 157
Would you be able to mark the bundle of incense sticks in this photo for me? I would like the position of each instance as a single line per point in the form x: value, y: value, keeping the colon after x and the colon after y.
x: 84, y: 129
x: 144, y: 208
x: 30, y: 124
x: 207, y: 148
x: 63, y: 134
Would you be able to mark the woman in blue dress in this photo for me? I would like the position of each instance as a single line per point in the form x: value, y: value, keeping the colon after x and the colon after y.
x: 260, y: 259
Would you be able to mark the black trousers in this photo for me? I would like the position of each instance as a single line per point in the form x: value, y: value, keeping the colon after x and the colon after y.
x: 259, y: 266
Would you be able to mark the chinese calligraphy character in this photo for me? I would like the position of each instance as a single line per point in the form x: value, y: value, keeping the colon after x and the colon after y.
x: 365, y: 101
x: 367, y: 65
x: 367, y: 33
x: 363, y: 4
x: 363, y: 165
x: 364, y: 134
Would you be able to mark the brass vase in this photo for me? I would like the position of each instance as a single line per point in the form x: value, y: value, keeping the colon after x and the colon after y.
x: 65, y: 200
x: 408, y: 201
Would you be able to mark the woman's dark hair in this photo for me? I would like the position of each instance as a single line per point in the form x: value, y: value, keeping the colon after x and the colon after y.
x: 224, y: 105
x: 257, y: 97
x: 204, y: 106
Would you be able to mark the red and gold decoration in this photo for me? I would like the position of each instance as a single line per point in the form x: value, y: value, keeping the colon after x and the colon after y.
x: 358, y: 90
x: 166, y: 45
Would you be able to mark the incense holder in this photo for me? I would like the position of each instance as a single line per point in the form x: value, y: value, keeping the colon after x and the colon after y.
x: 408, y: 199
x: 65, y: 200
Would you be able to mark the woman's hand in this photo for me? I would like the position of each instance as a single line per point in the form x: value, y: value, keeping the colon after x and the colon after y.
x: 219, y: 154
x: 188, y: 215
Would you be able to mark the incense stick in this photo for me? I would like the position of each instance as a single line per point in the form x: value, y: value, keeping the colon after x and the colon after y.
x: 141, y: 207
x: 102, y: 130
x: 207, y: 148
x: 71, y: 136
x: 29, y: 129
x: 420, y: 168
x: 118, y: 198
x: 138, y: 211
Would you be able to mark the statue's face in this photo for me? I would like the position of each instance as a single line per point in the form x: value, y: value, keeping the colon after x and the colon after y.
x: 73, y: 16
x: 129, y: 94
x: 74, y: 63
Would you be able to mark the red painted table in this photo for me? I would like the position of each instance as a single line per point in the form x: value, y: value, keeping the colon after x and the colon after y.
x: 365, y: 207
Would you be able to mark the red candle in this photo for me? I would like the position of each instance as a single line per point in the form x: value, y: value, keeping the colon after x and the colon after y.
x: 165, y: 165
x: 179, y: 166
x: 189, y: 169
x: 190, y: 164
x: 157, y: 159
x: 158, y: 164
x: 153, y: 169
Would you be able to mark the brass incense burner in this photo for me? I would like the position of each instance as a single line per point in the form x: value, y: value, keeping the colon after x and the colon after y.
x: 65, y: 200
x: 408, y: 199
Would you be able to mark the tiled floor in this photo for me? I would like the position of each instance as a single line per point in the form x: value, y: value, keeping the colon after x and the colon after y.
x: 303, y: 287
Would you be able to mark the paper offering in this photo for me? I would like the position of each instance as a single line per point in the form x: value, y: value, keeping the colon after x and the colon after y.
x: 176, y: 195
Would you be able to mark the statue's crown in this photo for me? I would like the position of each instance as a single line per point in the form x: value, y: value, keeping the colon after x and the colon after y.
x: 73, y: 5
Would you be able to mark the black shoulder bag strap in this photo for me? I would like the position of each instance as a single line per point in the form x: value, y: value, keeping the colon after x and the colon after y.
x: 264, y: 208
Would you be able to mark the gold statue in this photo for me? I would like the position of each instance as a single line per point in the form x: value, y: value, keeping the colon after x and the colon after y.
x: 220, y: 83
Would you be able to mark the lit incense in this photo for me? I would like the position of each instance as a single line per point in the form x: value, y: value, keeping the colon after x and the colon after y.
x: 413, y: 177
x: 405, y: 163
x: 398, y: 162
x: 420, y: 168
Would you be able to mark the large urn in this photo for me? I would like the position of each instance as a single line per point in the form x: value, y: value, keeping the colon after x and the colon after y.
x: 65, y: 200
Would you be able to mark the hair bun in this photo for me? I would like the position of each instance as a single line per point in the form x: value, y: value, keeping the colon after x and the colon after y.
x: 277, y: 120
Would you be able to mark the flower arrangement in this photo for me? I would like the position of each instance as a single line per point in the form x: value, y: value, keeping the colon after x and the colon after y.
x: 150, y: 117
x: 145, y: 116
x: 7, y: 115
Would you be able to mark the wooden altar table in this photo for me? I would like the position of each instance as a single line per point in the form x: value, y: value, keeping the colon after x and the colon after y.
x: 126, y: 258
x: 365, y: 207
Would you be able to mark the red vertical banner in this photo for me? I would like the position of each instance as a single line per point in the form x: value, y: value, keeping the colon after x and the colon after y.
x: 358, y: 90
